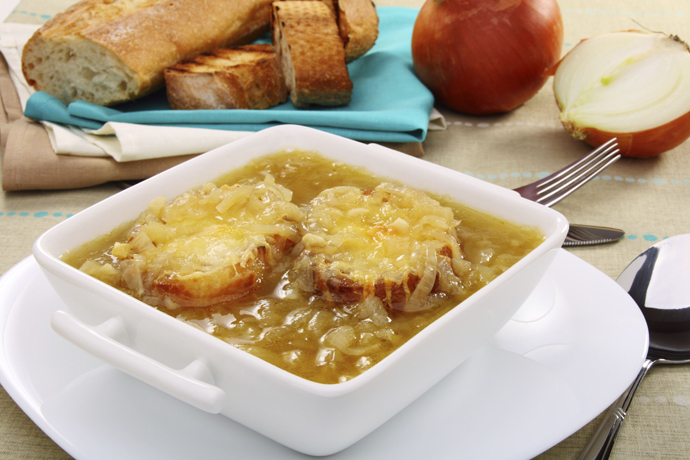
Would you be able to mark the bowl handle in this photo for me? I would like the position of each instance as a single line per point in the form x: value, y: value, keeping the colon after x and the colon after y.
x: 185, y: 384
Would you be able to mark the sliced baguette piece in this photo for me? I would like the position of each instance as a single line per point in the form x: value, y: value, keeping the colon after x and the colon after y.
x: 244, y: 77
x: 106, y: 51
x: 359, y: 26
x: 358, y: 23
x: 312, y: 54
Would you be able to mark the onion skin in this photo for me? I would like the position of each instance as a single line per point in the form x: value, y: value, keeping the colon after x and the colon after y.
x: 642, y: 144
x: 484, y: 57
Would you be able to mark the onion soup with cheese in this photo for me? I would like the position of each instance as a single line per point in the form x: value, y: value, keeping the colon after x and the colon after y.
x: 315, y: 266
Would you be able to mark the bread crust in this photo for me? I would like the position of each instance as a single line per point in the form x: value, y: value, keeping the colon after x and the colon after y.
x: 223, y: 285
x: 312, y: 53
x: 119, y: 50
x: 359, y: 26
x: 358, y: 23
x: 244, y: 77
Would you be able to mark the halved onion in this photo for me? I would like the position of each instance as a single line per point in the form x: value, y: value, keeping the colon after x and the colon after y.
x: 631, y: 85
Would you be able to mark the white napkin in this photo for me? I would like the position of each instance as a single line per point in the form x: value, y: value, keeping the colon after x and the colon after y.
x: 131, y: 142
x: 122, y: 141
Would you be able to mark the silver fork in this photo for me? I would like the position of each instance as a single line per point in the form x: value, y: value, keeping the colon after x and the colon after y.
x: 554, y: 187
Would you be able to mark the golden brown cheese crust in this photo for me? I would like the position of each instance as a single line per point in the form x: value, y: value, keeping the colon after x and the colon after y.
x: 393, y: 242
x: 312, y: 53
x: 209, y: 245
x: 127, y: 44
x: 244, y: 77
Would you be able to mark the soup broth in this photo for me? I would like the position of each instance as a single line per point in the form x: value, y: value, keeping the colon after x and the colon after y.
x: 303, y: 333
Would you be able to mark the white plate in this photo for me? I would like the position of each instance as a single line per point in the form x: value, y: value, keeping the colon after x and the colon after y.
x: 569, y: 352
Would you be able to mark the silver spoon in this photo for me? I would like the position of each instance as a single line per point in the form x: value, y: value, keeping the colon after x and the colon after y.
x: 658, y: 282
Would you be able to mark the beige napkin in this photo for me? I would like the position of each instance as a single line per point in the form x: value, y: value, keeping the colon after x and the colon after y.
x: 29, y: 162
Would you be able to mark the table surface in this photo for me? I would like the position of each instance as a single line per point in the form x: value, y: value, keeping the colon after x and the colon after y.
x: 648, y: 198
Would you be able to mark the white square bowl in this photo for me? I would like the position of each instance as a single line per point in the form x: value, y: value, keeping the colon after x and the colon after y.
x: 312, y: 418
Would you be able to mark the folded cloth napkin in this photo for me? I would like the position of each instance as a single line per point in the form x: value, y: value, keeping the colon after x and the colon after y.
x: 134, y: 142
x: 13, y: 37
x: 389, y: 105
x: 30, y: 163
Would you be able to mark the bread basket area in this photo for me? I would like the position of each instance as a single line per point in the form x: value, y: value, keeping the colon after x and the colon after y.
x: 213, y: 376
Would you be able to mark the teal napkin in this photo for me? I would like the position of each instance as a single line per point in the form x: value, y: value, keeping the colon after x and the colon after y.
x: 389, y: 103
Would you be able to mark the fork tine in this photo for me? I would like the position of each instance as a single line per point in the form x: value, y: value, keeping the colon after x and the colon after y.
x: 553, y: 188
x: 567, y: 173
x: 558, y: 175
x: 566, y: 189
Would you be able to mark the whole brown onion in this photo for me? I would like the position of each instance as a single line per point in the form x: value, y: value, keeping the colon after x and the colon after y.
x: 483, y: 57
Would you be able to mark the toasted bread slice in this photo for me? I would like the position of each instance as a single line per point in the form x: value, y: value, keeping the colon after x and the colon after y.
x: 244, y: 77
x: 312, y: 53
x: 359, y: 26
x: 393, y: 242
x: 358, y: 23
x: 209, y: 245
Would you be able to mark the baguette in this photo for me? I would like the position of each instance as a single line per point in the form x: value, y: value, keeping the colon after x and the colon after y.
x: 107, y: 52
x: 312, y: 54
x: 245, y: 77
x: 358, y: 24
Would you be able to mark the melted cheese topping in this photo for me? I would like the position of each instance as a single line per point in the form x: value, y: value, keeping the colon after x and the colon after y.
x: 210, y: 244
x: 362, y: 240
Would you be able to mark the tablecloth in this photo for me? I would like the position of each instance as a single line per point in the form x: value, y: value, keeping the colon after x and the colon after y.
x: 648, y: 198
